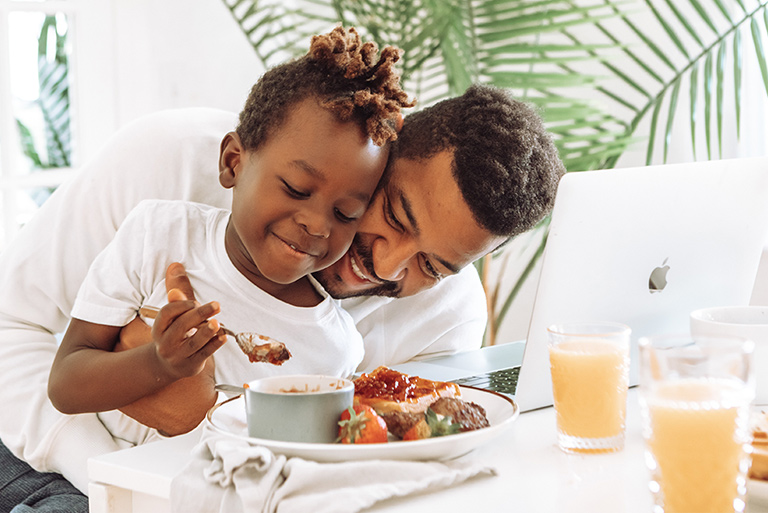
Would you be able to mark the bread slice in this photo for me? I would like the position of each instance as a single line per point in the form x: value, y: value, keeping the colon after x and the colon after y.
x: 387, y: 390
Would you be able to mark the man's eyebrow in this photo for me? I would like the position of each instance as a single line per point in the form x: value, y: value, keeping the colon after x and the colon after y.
x: 451, y: 267
x: 415, y: 226
x: 409, y: 213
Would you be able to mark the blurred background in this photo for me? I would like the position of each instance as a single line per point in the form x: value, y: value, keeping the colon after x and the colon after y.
x: 619, y: 82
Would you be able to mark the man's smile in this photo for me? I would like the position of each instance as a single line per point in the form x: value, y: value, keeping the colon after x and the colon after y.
x: 357, y: 271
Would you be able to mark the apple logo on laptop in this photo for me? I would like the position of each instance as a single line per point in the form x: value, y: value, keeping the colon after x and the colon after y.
x: 658, y: 279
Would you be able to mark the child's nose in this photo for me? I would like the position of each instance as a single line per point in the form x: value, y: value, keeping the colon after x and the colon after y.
x: 314, y: 224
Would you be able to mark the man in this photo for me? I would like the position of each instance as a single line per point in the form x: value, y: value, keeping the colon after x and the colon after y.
x: 485, y: 170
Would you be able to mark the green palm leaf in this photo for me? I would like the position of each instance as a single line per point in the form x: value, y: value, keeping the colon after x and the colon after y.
x: 53, y: 101
x: 53, y: 76
x: 715, y: 38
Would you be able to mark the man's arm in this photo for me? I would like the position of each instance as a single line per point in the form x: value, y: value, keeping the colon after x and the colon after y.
x: 169, y: 155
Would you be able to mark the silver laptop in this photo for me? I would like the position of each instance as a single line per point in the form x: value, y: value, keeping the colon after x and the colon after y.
x: 641, y: 246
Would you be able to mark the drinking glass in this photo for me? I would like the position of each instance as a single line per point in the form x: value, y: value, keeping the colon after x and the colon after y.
x: 695, y: 396
x: 589, y: 362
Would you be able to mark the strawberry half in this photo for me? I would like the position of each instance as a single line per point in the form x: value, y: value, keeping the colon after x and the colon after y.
x: 360, y: 424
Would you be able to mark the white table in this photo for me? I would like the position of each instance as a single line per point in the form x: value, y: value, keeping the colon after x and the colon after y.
x: 534, y: 476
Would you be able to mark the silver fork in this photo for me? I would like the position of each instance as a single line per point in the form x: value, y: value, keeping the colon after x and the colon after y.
x: 269, y: 351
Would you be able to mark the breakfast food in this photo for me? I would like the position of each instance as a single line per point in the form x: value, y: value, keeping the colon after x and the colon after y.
x: 359, y: 424
x: 387, y: 390
x: 759, y: 468
x: 415, y: 408
x: 417, y: 426
x: 445, y: 416
x: 270, y: 351
x: 469, y: 416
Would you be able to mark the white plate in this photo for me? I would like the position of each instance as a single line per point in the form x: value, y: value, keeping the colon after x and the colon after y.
x: 229, y: 418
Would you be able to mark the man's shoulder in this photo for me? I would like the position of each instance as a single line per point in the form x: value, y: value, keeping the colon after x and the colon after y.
x: 159, y: 215
x: 182, y: 122
x: 462, y: 286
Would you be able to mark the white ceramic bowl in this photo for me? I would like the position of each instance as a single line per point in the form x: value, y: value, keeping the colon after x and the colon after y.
x: 749, y: 322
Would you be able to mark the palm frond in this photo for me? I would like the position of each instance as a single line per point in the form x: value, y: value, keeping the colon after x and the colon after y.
x: 28, y: 145
x: 53, y: 75
x: 713, y: 38
x: 277, y: 31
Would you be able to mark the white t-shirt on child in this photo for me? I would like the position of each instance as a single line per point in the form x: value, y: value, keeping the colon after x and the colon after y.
x: 130, y: 273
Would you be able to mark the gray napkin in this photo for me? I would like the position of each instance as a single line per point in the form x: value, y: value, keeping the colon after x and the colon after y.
x: 229, y: 475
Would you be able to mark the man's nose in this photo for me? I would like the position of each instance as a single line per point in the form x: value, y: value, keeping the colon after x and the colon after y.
x: 390, y: 262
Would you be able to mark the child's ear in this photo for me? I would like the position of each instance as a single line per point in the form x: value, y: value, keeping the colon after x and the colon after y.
x: 231, y: 155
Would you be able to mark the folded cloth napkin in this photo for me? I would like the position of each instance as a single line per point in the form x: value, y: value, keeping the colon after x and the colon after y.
x: 230, y: 475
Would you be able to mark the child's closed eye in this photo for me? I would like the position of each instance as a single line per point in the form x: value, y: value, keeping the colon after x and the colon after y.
x: 293, y: 191
x: 345, y: 218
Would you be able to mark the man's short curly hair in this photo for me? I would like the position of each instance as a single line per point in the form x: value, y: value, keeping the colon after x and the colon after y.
x: 343, y: 74
x: 504, y: 161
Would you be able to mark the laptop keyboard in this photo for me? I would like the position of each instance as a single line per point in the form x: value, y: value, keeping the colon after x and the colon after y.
x: 503, y: 381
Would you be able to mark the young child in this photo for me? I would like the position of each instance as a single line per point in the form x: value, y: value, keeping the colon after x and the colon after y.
x: 308, y: 152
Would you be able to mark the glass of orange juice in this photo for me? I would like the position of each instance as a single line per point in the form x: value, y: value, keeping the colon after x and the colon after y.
x: 590, y: 375
x: 695, y: 396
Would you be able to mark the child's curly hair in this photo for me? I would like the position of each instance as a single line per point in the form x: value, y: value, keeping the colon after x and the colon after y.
x: 343, y: 74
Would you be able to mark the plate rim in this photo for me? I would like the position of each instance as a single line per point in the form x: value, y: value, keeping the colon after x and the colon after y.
x: 758, y: 489
x: 364, y: 451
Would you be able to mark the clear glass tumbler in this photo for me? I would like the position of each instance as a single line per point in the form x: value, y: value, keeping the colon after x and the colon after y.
x: 695, y: 396
x: 589, y: 362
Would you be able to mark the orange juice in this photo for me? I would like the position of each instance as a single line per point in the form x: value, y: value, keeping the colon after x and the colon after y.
x: 697, y: 437
x: 589, y: 383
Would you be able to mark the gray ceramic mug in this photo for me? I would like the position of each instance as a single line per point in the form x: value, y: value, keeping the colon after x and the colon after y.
x: 298, y: 408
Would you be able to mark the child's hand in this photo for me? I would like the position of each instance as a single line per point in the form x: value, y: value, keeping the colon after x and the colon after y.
x: 185, y: 336
x: 178, y: 287
x: 181, y: 406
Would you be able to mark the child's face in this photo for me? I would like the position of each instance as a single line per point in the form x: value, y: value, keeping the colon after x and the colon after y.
x: 298, y: 198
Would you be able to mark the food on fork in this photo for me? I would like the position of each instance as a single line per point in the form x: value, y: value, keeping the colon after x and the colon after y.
x: 270, y: 351
x: 387, y: 390
x: 759, y: 468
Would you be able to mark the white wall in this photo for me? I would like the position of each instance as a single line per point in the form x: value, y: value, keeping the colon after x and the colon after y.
x: 179, y: 53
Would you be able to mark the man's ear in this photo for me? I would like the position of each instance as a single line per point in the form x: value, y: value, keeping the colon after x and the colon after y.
x: 231, y: 155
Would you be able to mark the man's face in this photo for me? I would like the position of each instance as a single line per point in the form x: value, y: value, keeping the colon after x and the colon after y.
x: 417, y: 230
x: 299, y: 197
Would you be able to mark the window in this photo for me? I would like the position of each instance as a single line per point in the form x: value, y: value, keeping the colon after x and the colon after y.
x: 46, y: 60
